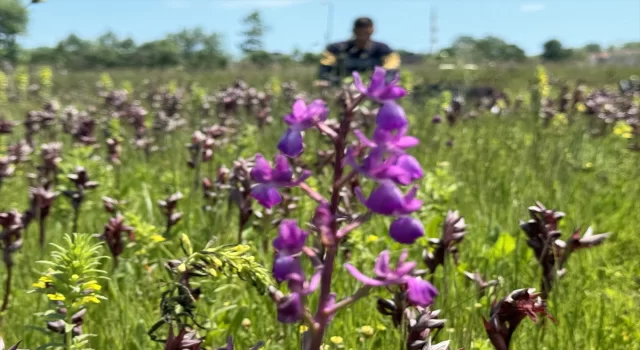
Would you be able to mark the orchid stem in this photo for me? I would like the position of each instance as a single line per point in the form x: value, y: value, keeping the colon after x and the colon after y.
x: 321, y: 317
x: 7, y: 289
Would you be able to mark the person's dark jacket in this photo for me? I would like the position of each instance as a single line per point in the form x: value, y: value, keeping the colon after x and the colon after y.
x: 341, y: 59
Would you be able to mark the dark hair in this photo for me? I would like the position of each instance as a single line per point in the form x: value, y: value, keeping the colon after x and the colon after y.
x: 363, y: 22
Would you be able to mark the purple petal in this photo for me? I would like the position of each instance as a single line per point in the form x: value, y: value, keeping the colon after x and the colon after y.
x: 391, y: 117
x: 420, y: 292
x: 281, y: 171
x: 299, y: 109
x: 286, y: 265
x: 291, y: 238
x: 376, y: 86
x: 290, y: 309
x: 357, y: 81
x: 262, y: 171
x: 291, y: 143
x: 303, y: 176
x: 407, y: 142
x: 386, y: 199
x: 382, y: 264
x: 267, y: 195
x: 314, y: 282
x: 362, y: 277
x: 363, y: 139
x: 406, y: 230
x: 392, y: 92
x: 318, y: 111
x: 410, y: 169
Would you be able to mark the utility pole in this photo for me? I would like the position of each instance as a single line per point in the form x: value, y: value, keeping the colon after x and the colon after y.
x: 433, y: 30
x: 327, y: 36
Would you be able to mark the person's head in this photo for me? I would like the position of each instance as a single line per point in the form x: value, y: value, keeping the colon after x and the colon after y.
x: 363, y: 29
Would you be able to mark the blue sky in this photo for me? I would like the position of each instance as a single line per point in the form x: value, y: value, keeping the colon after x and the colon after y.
x: 403, y: 24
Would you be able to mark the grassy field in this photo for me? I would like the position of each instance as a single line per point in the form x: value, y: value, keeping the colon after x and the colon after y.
x: 492, y: 170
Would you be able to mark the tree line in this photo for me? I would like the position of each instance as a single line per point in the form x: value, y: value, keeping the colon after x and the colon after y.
x: 198, y: 49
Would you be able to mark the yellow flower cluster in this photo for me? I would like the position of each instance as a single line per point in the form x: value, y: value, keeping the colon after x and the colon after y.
x: 623, y: 130
x: 543, y: 82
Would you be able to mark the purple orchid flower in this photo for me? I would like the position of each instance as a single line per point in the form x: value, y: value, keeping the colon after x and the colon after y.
x: 291, y: 238
x: 406, y: 230
x: 286, y: 267
x: 290, y: 308
x: 394, y: 141
x: 270, y: 179
x: 387, y: 199
x: 302, y: 117
x: 391, y: 117
x: 420, y: 292
x: 402, y: 169
x: 384, y: 274
x: 378, y: 89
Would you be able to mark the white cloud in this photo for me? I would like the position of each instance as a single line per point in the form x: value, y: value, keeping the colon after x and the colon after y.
x: 259, y: 3
x: 178, y: 4
x: 532, y: 7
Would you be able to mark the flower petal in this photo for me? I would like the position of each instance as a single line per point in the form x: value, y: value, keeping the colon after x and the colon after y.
x: 406, y: 230
x: 357, y: 81
x: 262, y: 171
x: 267, y: 195
x: 291, y: 143
x: 391, y: 117
x: 420, y: 292
x: 362, y: 277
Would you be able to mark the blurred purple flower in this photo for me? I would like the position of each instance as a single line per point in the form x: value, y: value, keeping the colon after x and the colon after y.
x: 437, y: 119
x: 285, y: 266
x: 391, y: 117
x: 290, y: 308
x: 384, y: 274
x: 270, y: 179
x: 402, y: 169
x: 406, y: 230
x: 393, y: 141
x: 291, y: 238
x: 420, y: 292
x: 378, y: 89
x: 302, y: 117
x: 387, y: 199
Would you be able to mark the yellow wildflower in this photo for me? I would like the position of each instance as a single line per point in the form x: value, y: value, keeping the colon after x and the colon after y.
x: 157, y: 238
x: 93, y: 285
x: 381, y: 328
x: 372, y: 238
x: 56, y: 297
x: 623, y: 130
x: 336, y: 340
x: 39, y: 284
x: 90, y: 299
x: 367, y: 330
x: 581, y: 107
x: 45, y: 279
x: 303, y: 329
x: 246, y: 323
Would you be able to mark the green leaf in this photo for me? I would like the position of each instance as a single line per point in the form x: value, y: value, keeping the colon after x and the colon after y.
x: 503, y: 246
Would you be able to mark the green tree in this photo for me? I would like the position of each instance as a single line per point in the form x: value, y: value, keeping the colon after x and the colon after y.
x: 13, y: 22
x: 592, y: 48
x: 554, y: 51
x: 253, y: 34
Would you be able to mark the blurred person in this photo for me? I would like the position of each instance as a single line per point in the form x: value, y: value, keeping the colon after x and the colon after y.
x: 360, y: 54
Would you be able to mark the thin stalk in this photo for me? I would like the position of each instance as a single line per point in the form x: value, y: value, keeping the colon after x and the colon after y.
x: 7, y: 289
x: 322, y: 317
